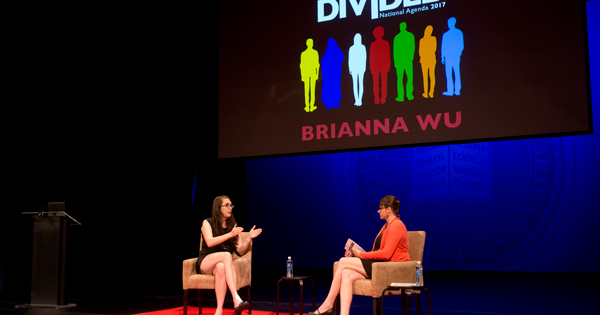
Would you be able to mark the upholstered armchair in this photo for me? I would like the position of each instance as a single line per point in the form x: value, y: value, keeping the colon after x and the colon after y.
x: 192, y: 280
x: 385, y: 273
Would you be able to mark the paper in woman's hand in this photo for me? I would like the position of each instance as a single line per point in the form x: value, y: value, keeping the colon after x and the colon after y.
x: 350, y: 244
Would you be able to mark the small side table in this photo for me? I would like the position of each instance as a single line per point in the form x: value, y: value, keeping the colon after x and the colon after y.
x: 291, y: 280
x: 404, y: 288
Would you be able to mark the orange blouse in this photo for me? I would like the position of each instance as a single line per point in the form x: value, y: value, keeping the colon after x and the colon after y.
x: 394, y: 243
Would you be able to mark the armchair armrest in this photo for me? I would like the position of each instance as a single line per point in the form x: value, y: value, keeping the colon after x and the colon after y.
x: 243, y: 272
x: 385, y: 273
x: 189, y: 269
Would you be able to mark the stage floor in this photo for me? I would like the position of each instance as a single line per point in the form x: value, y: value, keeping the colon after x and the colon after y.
x: 451, y: 292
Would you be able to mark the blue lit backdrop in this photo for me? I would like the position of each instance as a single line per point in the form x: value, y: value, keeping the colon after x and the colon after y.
x: 522, y: 205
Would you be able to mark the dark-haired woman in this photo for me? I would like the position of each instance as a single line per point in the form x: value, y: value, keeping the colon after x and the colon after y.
x: 220, y: 238
x: 391, y: 244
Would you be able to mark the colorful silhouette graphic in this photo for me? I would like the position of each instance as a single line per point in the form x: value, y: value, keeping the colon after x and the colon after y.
x: 427, y: 48
x: 309, y: 69
x: 404, y: 53
x: 379, y: 63
x: 357, y: 63
x: 452, y: 47
x: 331, y: 93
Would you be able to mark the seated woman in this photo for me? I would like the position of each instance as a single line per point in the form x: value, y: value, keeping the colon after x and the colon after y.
x: 220, y: 238
x: 391, y: 244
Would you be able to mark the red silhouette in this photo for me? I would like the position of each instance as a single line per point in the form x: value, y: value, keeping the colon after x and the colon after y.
x: 379, y: 64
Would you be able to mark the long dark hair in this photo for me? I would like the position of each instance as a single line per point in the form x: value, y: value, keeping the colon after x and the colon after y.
x: 217, y: 218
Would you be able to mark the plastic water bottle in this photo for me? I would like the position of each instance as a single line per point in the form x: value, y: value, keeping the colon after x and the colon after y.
x: 419, y: 273
x: 290, y: 267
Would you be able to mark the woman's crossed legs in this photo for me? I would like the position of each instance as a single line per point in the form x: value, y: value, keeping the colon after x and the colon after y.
x: 349, y: 269
x: 220, y: 265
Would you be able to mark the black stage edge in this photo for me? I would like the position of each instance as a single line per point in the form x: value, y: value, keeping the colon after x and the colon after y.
x: 452, y: 292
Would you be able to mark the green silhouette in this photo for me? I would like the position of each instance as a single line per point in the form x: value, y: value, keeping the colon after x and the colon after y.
x: 404, y: 53
x: 427, y: 49
x: 309, y: 69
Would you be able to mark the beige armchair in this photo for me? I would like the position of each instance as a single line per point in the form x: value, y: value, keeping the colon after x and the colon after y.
x: 192, y: 280
x: 385, y: 273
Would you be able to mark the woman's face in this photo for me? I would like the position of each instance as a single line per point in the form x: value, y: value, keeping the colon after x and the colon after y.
x: 226, y: 208
x: 384, y: 212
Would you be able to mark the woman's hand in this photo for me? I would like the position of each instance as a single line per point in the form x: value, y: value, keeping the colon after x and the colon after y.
x: 254, y: 233
x: 236, y: 231
x: 352, y: 253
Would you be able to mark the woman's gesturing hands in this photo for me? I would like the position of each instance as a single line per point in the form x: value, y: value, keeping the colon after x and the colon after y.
x: 254, y: 233
x: 236, y: 231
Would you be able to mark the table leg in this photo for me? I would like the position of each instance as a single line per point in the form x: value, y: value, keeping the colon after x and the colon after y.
x: 277, y: 302
x: 313, y: 282
x: 291, y: 299
x: 301, y: 297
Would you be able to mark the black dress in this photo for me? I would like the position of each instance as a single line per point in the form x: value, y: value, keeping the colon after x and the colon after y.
x: 367, y: 263
x: 227, y: 246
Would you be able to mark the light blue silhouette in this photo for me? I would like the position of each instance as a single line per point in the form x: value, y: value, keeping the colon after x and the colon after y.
x: 452, y: 48
x: 331, y: 66
x: 357, y: 63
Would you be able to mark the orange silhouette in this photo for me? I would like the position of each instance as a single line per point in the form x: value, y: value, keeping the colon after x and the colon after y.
x: 427, y: 49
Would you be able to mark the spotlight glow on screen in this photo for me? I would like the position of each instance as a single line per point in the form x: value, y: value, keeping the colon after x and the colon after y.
x: 323, y: 75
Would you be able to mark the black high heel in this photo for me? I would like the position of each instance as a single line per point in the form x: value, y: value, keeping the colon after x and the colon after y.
x: 327, y: 312
x: 241, y: 307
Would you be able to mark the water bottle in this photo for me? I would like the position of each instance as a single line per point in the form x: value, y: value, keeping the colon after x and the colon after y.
x: 419, y: 273
x: 290, y: 267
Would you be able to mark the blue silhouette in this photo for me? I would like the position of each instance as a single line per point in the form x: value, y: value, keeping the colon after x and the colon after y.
x: 357, y: 64
x: 452, y: 48
x: 331, y: 66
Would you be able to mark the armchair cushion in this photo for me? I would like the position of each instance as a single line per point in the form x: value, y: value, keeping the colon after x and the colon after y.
x: 384, y: 273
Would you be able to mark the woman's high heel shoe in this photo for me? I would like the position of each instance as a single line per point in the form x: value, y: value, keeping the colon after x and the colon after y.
x: 241, y: 307
x: 328, y: 312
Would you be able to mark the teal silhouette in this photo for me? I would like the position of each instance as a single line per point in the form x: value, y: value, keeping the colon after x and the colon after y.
x: 452, y: 48
x: 404, y: 53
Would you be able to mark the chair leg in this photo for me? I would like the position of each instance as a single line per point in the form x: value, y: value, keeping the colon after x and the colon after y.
x: 199, y: 302
x: 428, y: 301
x: 418, y: 303
x: 249, y: 301
x: 376, y: 308
x: 185, y: 301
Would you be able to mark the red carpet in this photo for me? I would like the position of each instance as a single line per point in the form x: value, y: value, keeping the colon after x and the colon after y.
x: 206, y: 311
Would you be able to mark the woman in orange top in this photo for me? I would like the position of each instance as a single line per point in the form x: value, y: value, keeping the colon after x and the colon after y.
x: 391, y: 244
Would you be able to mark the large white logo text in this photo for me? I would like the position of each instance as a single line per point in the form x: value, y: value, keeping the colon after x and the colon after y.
x: 338, y: 7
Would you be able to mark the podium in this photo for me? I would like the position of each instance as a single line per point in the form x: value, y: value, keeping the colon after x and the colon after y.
x: 49, y: 256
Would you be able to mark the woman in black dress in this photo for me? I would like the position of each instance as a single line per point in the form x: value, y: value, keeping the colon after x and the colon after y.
x: 220, y: 238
